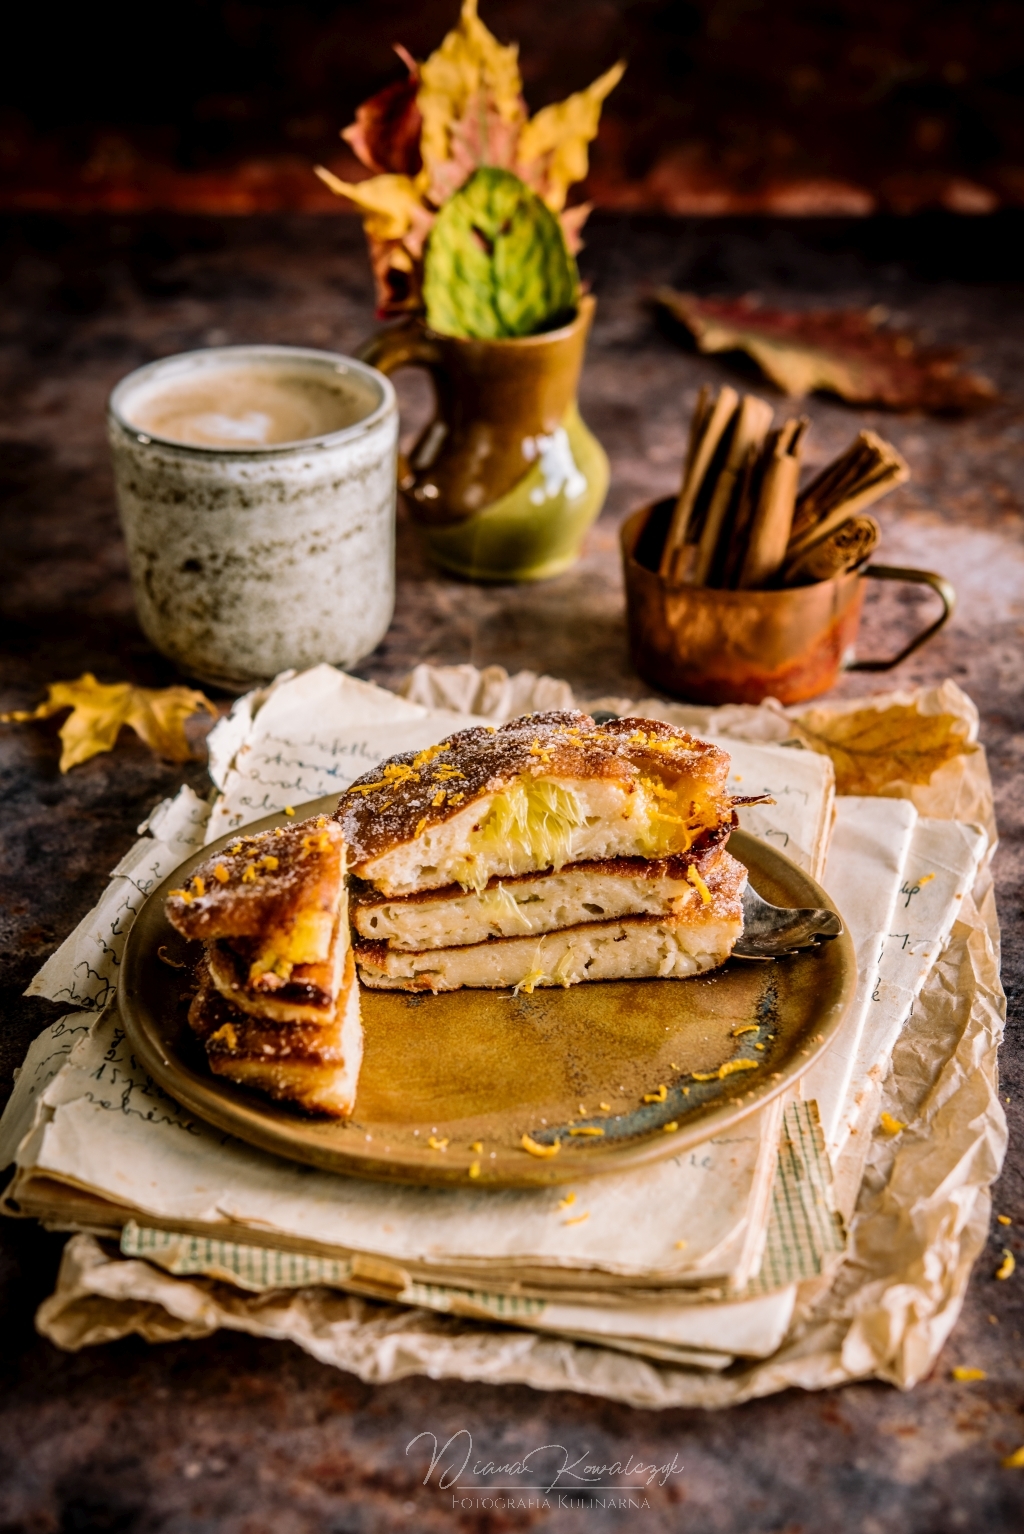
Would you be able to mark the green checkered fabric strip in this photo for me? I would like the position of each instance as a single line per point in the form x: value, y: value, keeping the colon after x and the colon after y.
x: 264, y: 1267
x: 804, y: 1230
x: 251, y: 1267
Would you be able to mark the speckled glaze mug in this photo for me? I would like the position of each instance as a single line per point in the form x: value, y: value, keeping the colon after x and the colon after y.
x: 252, y: 558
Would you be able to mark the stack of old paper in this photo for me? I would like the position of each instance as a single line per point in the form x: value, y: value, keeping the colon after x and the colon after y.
x: 702, y: 1262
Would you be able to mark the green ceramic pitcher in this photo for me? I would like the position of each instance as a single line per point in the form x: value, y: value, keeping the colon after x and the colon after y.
x: 506, y: 479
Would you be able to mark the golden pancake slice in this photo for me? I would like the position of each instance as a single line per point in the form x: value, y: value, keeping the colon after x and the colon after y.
x: 282, y: 892
x: 698, y: 936
x: 537, y: 793
x: 314, y: 1065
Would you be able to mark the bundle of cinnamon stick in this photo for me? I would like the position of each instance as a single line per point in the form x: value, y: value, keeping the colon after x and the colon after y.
x: 739, y: 523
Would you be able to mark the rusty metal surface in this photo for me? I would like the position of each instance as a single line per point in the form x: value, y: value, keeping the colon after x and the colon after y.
x: 238, y: 1435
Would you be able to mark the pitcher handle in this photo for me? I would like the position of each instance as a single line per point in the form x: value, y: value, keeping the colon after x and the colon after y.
x: 939, y: 585
x: 403, y: 346
x: 406, y: 346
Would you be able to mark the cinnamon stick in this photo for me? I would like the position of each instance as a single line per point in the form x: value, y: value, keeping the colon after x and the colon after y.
x: 772, y: 521
x: 753, y: 421
x: 868, y: 469
x: 711, y: 420
x: 846, y: 547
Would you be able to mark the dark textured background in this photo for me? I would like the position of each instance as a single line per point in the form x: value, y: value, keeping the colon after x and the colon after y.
x: 791, y: 106
x: 243, y: 1436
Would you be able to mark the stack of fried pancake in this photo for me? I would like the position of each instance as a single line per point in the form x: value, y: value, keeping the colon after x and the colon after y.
x: 549, y: 851
x: 278, y: 1004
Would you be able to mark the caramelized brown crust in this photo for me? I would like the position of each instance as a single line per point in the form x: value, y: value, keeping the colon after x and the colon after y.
x: 307, y: 994
x: 262, y: 883
x: 702, y: 855
x: 393, y: 803
x: 231, y: 1034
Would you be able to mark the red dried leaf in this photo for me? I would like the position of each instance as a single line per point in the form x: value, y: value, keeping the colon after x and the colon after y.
x: 843, y: 351
x: 397, y: 279
x: 386, y: 132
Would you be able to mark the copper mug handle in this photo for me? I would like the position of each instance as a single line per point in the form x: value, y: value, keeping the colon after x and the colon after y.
x: 939, y: 585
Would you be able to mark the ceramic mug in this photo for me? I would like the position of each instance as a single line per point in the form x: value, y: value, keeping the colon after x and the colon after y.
x: 248, y: 560
x: 711, y: 646
x: 506, y: 479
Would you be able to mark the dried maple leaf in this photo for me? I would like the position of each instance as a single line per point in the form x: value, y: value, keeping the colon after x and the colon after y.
x: 469, y: 70
x: 873, y: 748
x: 397, y: 221
x: 843, y: 351
x: 99, y: 710
x: 386, y: 132
x: 553, y: 145
x: 471, y: 113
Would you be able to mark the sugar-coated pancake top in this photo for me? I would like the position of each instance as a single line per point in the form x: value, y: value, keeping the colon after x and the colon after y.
x: 261, y: 883
x: 393, y: 803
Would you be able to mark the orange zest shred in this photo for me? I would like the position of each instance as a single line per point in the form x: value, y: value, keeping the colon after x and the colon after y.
x: 587, y: 1129
x: 657, y: 1097
x: 536, y: 1149
x: 249, y: 877
x: 964, y: 1375
x: 1015, y: 1461
x: 1008, y: 1264
x: 221, y: 874
x: 420, y: 826
x: 437, y: 1144
x: 316, y: 843
x: 728, y: 1069
x: 746, y: 1028
x: 890, y: 1125
x: 426, y: 757
x: 578, y: 1219
x: 474, y: 1169
x: 568, y: 1201
x: 393, y: 774
x: 698, y: 883
x: 670, y: 1128
x: 198, y: 885
x: 183, y: 895
x: 288, y: 810
x: 438, y: 799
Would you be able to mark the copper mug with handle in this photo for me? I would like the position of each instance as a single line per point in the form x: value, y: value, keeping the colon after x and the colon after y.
x: 711, y: 646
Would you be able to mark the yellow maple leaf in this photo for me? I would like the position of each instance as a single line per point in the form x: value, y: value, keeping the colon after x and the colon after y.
x: 99, y: 710
x: 392, y: 206
x: 872, y: 748
x: 469, y: 65
x: 553, y: 145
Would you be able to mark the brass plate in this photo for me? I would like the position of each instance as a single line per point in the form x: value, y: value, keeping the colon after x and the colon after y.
x: 485, y: 1066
